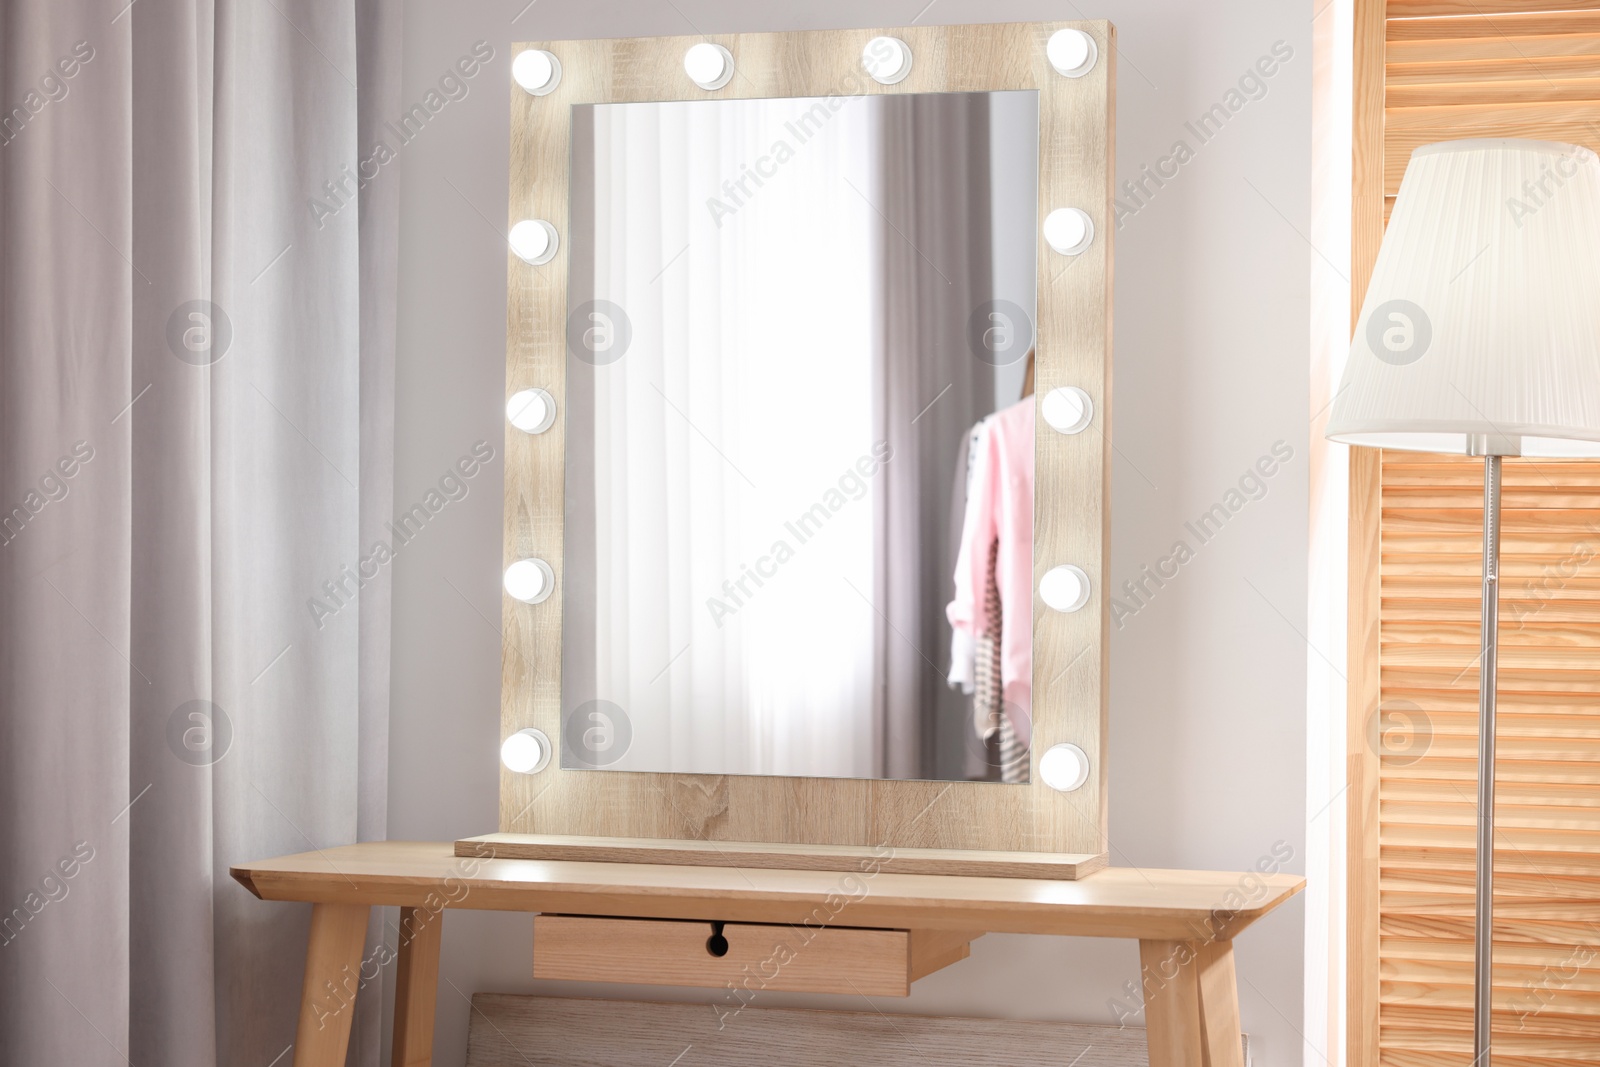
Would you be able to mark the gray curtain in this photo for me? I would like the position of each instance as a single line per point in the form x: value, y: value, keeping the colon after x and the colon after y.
x: 930, y: 388
x: 196, y: 392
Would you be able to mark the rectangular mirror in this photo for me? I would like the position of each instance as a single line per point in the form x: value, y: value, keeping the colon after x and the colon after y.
x: 792, y: 316
x: 763, y: 290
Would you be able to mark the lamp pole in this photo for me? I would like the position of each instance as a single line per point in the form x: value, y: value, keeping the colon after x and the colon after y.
x: 1483, y: 958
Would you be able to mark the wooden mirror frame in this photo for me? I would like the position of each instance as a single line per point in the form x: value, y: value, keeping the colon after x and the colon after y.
x: 1028, y: 830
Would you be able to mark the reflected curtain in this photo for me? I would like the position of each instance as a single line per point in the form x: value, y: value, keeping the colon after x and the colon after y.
x: 744, y: 271
x: 931, y: 387
x: 195, y: 444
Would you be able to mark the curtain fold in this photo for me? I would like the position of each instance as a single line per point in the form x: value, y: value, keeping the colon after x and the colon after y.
x: 196, y: 395
x: 692, y: 433
x: 931, y: 387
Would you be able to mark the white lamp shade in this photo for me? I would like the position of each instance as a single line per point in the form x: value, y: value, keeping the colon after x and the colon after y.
x: 1480, y: 332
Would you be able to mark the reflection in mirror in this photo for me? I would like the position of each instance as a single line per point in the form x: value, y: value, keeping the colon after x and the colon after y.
x: 799, y: 468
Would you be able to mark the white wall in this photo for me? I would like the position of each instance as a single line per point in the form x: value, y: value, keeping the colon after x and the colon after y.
x: 1208, y: 682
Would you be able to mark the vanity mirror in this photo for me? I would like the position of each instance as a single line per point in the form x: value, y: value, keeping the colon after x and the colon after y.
x: 789, y: 559
x: 786, y: 319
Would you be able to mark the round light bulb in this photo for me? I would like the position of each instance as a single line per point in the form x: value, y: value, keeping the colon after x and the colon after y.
x: 1064, y: 588
x: 1067, y: 409
x: 708, y: 65
x: 1068, y: 230
x: 531, y: 410
x: 526, y: 751
x: 534, y: 241
x: 1064, y: 767
x: 537, y: 71
x: 887, y: 59
x: 530, y: 580
x: 1071, y: 52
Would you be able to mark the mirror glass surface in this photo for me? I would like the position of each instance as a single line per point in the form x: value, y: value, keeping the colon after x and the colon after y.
x: 788, y: 319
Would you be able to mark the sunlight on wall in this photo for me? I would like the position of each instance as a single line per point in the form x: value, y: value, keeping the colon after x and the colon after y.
x: 1328, y: 596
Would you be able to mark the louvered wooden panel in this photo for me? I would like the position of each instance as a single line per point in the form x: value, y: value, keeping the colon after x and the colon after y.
x: 1408, y: 10
x: 1531, y: 72
x: 1547, y: 862
x: 1425, y: 71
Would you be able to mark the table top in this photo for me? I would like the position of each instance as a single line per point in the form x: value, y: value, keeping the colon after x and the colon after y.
x: 1132, y: 902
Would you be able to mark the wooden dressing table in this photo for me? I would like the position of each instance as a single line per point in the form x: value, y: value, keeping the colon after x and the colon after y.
x: 1184, y: 922
x: 613, y: 864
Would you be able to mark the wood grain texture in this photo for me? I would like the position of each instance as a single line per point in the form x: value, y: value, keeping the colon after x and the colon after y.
x: 513, y: 1031
x: 1570, y: 19
x: 759, y: 956
x: 1515, y: 71
x: 1519, y: 71
x: 1501, y: 74
x: 416, y: 984
x: 1407, y: 9
x: 1538, y: 89
x: 1221, y: 1043
x: 1116, y: 902
x: 1547, y: 893
x: 1076, y: 167
x: 1363, y: 695
x: 1171, y: 1003
x: 1519, y: 75
x: 1409, y: 128
x: 1364, y: 671
x: 332, y: 978
x: 1508, y: 70
x: 1493, y: 75
x: 777, y: 856
x: 1490, y: 51
x: 934, y: 950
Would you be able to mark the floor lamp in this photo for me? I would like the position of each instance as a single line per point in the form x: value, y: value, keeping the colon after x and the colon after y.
x: 1480, y: 336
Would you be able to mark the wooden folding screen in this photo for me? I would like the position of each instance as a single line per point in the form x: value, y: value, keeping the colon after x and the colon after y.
x: 1429, y: 72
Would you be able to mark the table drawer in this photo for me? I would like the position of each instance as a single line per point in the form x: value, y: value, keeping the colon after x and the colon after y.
x: 752, y: 956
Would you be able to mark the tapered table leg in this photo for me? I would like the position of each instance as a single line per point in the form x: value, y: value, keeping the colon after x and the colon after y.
x: 1221, y: 1038
x: 416, y: 986
x: 1191, y: 1004
x: 1171, y: 1002
x: 328, y: 993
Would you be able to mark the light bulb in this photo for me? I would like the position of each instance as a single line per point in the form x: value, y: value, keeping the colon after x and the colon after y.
x: 1064, y: 767
x: 1068, y: 230
x: 526, y: 751
x: 534, y: 241
x: 708, y: 65
x: 1064, y: 588
x: 1071, y: 52
x: 531, y: 410
x: 530, y: 581
x: 1067, y: 409
x: 537, y: 71
x: 887, y: 59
